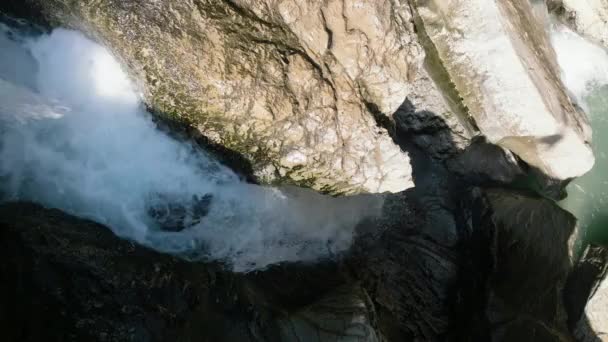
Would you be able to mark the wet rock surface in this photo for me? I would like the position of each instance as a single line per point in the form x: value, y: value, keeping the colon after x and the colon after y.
x: 312, y: 93
x: 499, y: 56
x: 587, y: 295
x: 340, y: 96
x: 530, y: 253
x: 589, y: 17
x: 69, y: 279
x: 293, y: 86
x: 466, y: 268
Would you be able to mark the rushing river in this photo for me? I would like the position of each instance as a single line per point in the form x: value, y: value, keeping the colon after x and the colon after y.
x: 588, y: 195
x: 585, y: 72
x: 75, y: 136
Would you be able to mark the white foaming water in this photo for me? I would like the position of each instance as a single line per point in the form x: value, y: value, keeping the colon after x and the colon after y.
x: 584, y: 64
x: 79, y: 140
x: 585, y: 73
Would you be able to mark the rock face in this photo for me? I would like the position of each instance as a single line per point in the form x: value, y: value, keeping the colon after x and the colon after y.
x: 348, y: 320
x: 502, y: 64
x: 411, y: 267
x: 484, y: 264
x: 587, y: 17
x: 314, y: 93
x: 68, y: 279
x: 587, y: 296
x: 530, y: 253
x: 597, y: 313
x: 292, y: 85
x: 324, y: 94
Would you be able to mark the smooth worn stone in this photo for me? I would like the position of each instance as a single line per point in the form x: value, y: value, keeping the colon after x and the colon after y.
x: 294, y: 86
x: 587, y: 295
x: 69, y: 279
x: 587, y: 17
x: 526, y: 246
x: 501, y: 61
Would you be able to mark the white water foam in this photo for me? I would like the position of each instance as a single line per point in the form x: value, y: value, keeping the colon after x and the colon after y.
x: 77, y: 138
x: 584, y: 64
x: 585, y: 73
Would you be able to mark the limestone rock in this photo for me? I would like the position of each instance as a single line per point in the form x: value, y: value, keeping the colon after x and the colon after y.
x: 292, y: 85
x: 500, y: 59
x: 482, y: 162
x: 587, y: 296
x: 314, y: 93
x: 587, y: 17
x: 527, y: 258
x: 68, y: 279
x: 411, y: 267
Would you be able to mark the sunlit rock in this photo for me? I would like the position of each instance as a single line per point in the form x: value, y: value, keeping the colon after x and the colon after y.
x: 84, y: 283
x: 499, y: 56
x: 292, y: 85
x: 587, y: 295
x: 597, y: 311
x: 587, y: 17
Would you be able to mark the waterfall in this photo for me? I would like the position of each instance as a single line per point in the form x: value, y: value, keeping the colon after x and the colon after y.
x: 75, y: 136
x: 585, y: 73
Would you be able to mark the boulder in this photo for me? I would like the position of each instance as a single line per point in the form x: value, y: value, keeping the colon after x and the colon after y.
x: 314, y: 93
x: 411, y: 264
x: 587, y: 17
x: 65, y: 278
x: 524, y: 247
x: 500, y: 59
x: 343, y: 315
x: 294, y: 86
x: 68, y: 279
x: 587, y: 295
x: 487, y: 264
x: 596, y: 315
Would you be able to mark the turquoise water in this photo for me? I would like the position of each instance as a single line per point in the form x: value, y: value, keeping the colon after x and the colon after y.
x: 588, y: 195
x: 585, y: 73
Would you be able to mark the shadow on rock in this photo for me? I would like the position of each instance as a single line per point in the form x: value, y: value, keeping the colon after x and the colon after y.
x: 473, y: 252
x: 455, y: 258
x: 586, y: 295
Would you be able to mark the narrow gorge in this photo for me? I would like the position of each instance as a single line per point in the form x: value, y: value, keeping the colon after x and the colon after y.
x: 297, y: 170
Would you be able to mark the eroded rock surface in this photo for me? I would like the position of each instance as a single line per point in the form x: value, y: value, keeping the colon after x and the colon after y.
x: 292, y: 85
x: 67, y: 279
x: 587, y: 17
x: 483, y: 264
x: 530, y: 254
x: 320, y: 94
x: 313, y: 92
x: 502, y: 63
x: 587, y: 296
x: 597, y: 311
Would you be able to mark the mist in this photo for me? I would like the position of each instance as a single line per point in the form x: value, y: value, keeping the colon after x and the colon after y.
x: 584, y: 65
x: 75, y: 136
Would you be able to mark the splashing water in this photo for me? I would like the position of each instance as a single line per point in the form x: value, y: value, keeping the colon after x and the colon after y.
x: 75, y: 136
x: 585, y: 73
